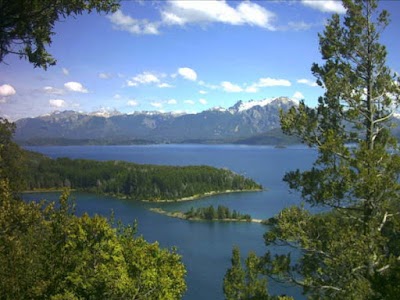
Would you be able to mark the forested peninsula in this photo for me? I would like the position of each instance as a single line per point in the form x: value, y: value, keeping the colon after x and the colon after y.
x: 130, y: 180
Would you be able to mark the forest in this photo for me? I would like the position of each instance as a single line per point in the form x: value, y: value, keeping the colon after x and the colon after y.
x: 221, y: 213
x: 129, y: 180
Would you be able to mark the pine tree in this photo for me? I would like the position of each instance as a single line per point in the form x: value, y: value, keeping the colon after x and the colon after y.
x: 348, y: 251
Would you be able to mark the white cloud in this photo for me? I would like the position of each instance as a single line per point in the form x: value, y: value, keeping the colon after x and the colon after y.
x: 126, y: 23
x: 328, y: 6
x: 203, y: 101
x: 252, y: 89
x: 117, y: 96
x: 132, y: 103
x: 144, y: 78
x: 230, y: 87
x: 165, y: 85
x: 156, y: 104
x: 57, y: 103
x: 190, y: 102
x: 202, y: 92
x: 267, y: 82
x: 52, y: 90
x: 65, y: 71
x: 7, y: 90
x: 202, y: 12
x: 172, y: 101
x: 207, y: 85
x: 307, y: 82
x: 104, y: 75
x: 75, y: 87
x: 298, y: 96
x: 187, y: 73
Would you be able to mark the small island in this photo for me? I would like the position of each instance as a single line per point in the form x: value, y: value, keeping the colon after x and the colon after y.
x: 133, y: 181
x: 222, y: 213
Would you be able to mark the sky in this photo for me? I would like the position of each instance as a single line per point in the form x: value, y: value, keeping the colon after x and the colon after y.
x: 179, y: 56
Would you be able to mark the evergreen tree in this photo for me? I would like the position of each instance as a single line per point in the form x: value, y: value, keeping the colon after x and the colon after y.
x: 26, y: 26
x: 348, y: 250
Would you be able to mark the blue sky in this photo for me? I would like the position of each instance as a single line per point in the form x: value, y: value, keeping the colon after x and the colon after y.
x: 181, y: 56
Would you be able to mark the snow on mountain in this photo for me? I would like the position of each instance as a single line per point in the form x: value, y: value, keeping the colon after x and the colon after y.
x: 250, y: 104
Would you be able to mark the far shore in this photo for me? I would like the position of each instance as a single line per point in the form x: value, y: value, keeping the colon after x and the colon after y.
x: 181, y: 215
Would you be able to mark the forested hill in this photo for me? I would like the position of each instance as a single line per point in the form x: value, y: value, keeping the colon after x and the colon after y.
x: 133, y: 181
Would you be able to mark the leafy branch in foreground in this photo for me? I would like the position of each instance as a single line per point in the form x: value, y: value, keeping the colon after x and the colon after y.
x: 26, y: 26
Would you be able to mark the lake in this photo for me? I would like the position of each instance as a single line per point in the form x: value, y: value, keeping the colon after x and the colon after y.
x: 206, y: 246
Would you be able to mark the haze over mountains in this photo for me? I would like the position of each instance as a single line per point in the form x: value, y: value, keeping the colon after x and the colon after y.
x: 252, y: 122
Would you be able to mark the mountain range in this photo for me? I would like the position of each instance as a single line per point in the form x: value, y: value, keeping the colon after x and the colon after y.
x: 252, y: 122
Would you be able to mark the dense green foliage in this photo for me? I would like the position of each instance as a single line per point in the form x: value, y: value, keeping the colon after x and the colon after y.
x: 11, y: 156
x: 142, y: 182
x: 246, y: 283
x: 47, y: 252
x: 352, y: 250
x: 26, y: 26
x: 221, y: 213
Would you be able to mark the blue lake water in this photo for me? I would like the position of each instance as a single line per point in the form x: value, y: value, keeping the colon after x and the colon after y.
x: 206, y: 246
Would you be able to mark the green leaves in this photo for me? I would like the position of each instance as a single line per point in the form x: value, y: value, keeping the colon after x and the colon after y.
x: 48, y: 252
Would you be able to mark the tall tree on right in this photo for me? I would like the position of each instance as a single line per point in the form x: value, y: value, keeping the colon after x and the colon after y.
x: 352, y: 250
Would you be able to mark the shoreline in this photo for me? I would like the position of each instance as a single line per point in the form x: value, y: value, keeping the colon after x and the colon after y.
x: 47, y: 190
x: 181, y: 215
x: 124, y: 197
x: 201, y: 196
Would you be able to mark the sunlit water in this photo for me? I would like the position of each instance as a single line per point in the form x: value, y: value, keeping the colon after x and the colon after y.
x: 206, y: 246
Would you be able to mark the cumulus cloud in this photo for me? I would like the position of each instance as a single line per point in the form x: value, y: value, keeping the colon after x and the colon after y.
x: 132, y: 103
x: 124, y: 22
x: 298, y: 96
x: 230, y: 87
x: 52, y: 90
x: 57, y: 103
x: 202, y: 92
x: 172, y: 102
x: 190, y: 102
x: 203, y: 12
x: 117, y: 96
x: 254, y: 87
x: 187, y: 73
x: 267, y: 82
x: 74, y: 86
x: 7, y: 90
x: 328, y: 6
x: 203, y: 101
x: 65, y: 71
x: 307, y: 82
x: 143, y: 78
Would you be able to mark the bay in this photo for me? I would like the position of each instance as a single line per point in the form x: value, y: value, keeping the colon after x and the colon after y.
x: 205, y: 246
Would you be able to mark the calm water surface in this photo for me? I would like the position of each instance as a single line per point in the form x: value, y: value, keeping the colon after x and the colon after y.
x: 206, y: 246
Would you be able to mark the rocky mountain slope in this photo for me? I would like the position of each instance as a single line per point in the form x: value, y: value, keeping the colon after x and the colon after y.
x: 242, y: 122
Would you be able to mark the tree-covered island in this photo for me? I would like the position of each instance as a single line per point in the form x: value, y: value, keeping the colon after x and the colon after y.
x: 209, y: 213
x: 132, y: 181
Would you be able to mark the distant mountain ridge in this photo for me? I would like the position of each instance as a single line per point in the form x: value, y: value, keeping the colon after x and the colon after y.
x: 244, y: 121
